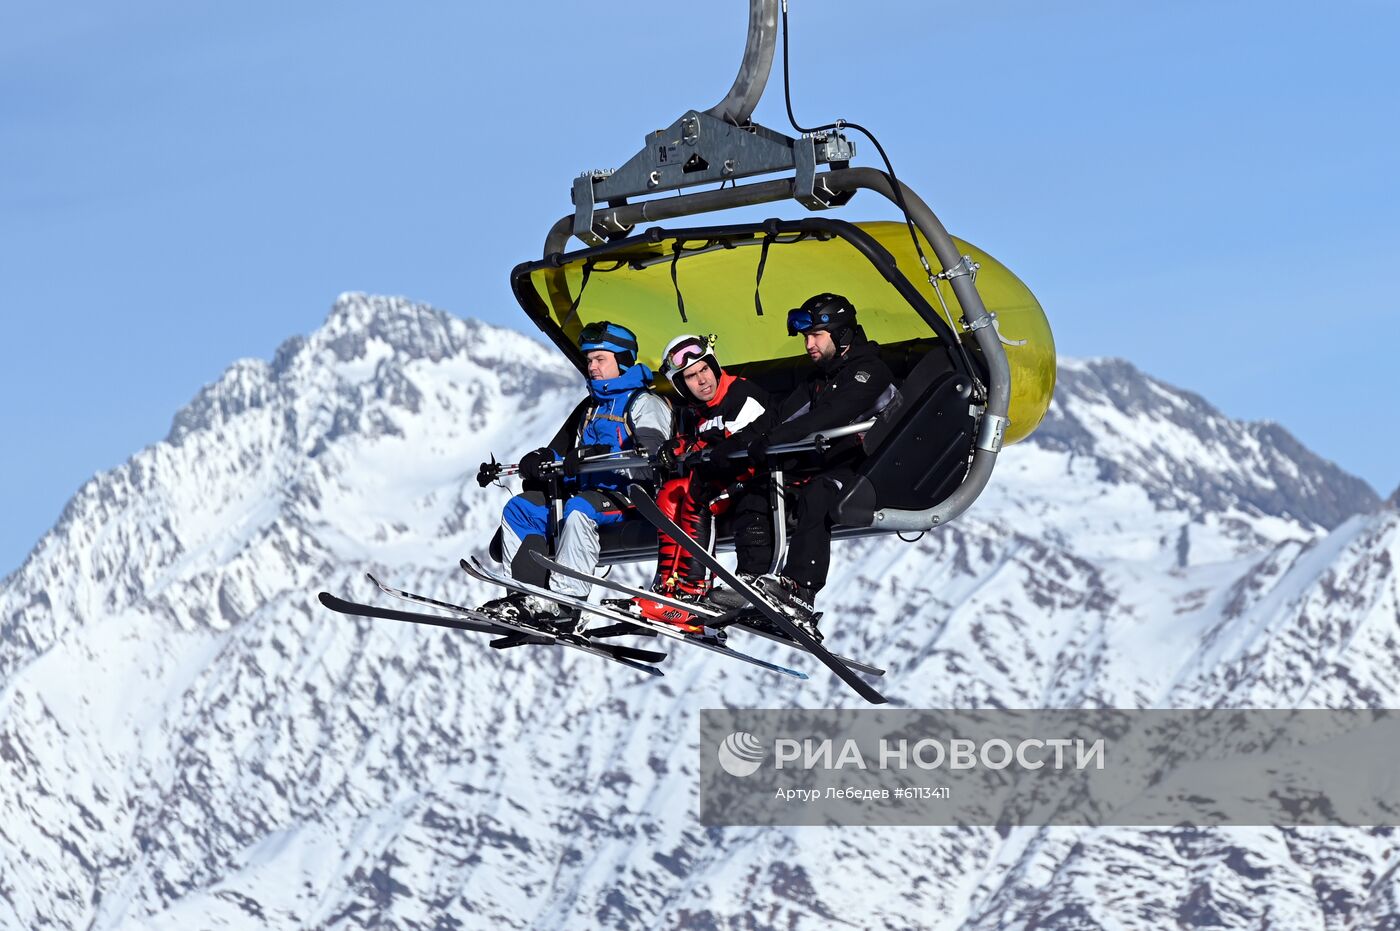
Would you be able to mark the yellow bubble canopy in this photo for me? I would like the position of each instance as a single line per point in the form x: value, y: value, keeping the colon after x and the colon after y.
x: 704, y: 281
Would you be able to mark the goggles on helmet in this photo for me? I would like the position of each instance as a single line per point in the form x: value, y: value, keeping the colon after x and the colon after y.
x: 800, y: 321
x: 683, y: 352
x: 821, y: 312
x: 686, y: 352
x: 605, y: 335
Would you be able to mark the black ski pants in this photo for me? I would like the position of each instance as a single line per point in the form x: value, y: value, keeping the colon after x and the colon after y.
x: 809, y: 543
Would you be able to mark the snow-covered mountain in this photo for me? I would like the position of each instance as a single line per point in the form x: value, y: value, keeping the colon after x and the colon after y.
x: 188, y: 740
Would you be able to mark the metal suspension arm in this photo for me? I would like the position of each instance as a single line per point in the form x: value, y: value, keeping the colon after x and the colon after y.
x: 738, y: 105
x: 994, y: 418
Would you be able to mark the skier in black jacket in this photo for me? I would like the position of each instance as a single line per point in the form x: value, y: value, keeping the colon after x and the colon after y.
x: 849, y: 383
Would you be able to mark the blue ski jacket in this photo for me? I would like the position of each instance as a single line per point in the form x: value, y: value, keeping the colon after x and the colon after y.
x: 619, y: 414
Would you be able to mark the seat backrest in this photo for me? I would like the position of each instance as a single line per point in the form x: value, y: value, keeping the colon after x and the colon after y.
x: 918, y: 451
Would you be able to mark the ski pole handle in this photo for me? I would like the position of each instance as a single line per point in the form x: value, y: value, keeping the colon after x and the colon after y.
x: 489, y: 472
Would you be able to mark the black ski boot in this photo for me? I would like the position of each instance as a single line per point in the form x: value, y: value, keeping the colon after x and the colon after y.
x: 727, y: 599
x: 794, y: 599
x: 552, y: 614
x: 519, y: 608
x: 510, y: 608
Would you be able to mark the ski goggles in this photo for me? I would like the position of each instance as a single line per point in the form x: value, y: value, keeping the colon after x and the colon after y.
x: 605, y: 335
x: 690, y: 351
x: 800, y: 321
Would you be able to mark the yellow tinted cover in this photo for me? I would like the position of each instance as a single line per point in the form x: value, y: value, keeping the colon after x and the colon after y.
x: 717, y: 285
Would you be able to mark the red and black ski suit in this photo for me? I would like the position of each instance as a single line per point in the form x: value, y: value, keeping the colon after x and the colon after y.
x: 691, y: 499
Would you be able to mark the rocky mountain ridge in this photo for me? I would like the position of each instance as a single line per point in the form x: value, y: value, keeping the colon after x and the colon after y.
x: 187, y: 739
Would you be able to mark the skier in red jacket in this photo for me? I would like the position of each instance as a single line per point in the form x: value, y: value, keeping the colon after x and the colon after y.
x: 717, y: 405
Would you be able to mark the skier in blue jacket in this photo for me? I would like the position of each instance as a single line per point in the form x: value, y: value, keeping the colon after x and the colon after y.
x: 621, y: 413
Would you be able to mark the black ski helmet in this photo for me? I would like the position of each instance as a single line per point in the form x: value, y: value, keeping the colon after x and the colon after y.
x: 826, y: 311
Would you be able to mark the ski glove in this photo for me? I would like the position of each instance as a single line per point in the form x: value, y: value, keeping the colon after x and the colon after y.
x: 712, y: 435
x: 758, y: 453
x: 666, y: 462
x: 574, y: 458
x: 532, y: 463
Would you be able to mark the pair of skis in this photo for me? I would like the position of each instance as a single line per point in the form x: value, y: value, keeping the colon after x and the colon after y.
x: 708, y: 639
x: 512, y: 633
x: 653, y: 514
x: 508, y: 633
x: 844, y: 668
x: 725, y: 618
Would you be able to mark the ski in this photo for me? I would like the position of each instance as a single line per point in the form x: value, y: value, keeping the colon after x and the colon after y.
x: 698, y: 609
x: 656, y: 517
x: 510, y: 635
x: 341, y: 606
x: 476, y: 570
x: 506, y: 636
x: 627, y: 656
x: 776, y: 637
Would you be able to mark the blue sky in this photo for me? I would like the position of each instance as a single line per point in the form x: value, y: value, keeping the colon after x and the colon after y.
x: 1208, y: 189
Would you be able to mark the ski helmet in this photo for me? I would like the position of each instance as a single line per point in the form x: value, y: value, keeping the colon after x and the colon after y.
x: 612, y: 337
x: 683, y: 352
x: 826, y: 311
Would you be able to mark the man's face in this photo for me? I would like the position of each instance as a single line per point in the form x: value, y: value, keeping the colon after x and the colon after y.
x: 602, y: 365
x: 700, y: 380
x: 820, y: 347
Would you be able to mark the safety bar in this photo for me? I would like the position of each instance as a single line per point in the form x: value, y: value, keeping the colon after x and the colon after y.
x: 607, y: 462
x: 818, y: 442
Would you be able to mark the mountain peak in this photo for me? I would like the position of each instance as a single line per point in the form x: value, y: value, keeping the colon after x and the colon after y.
x: 361, y: 333
x: 411, y: 329
x: 1187, y: 454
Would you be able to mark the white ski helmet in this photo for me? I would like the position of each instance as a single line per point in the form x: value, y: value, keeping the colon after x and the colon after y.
x: 683, y: 352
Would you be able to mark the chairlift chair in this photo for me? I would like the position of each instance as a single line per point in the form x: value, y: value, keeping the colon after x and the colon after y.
x: 969, y: 345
